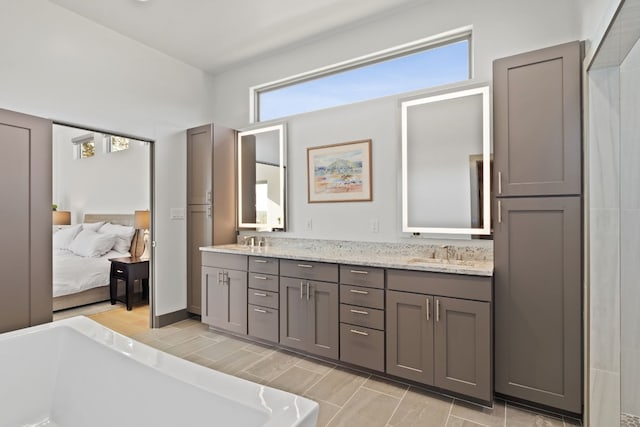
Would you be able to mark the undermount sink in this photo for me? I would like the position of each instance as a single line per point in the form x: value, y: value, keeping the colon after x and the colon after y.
x: 442, y: 261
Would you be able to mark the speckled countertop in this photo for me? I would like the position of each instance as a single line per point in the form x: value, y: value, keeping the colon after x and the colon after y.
x: 458, y: 258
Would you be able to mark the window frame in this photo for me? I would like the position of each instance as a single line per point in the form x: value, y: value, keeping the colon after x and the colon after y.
x: 441, y: 39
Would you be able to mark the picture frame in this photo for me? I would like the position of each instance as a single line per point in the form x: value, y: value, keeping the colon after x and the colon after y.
x: 339, y: 172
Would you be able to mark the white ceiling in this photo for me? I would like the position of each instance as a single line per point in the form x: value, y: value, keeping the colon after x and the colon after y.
x: 214, y: 35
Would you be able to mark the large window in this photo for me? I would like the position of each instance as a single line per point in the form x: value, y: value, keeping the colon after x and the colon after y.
x: 423, y: 64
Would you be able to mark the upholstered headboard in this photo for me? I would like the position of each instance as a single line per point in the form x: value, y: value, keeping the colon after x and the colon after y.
x: 120, y: 219
x: 137, y: 241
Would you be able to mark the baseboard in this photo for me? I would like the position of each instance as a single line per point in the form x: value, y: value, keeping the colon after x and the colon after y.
x: 170, y: 318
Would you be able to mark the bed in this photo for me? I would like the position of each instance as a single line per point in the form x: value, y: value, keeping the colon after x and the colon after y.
x: 80, y: 280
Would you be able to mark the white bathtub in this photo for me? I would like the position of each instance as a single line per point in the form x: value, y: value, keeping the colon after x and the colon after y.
x: 77, y: 373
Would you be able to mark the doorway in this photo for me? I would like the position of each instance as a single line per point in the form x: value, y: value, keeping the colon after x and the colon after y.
x: 102, y: 192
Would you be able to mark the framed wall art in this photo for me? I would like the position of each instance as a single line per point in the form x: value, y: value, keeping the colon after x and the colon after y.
x: 339, y: 172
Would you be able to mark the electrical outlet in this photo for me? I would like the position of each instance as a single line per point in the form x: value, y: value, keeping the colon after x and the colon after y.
x: 309, y: 225
x: 374, y: 225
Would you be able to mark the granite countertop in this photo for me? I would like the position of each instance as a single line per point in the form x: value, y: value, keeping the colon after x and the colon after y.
x: 373, y: 255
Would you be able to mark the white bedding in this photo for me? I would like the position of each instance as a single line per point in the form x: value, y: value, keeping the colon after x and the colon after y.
x: 73, y: 273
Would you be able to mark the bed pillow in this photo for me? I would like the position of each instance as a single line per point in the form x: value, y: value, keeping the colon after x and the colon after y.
x: 91, y: 244
x: 93, y: 226
x: 63, y: 237
x: 123, y: 234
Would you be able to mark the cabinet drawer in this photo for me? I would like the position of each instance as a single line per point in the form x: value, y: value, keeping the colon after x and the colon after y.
x: 442, y: 284
x: 309, y: 270
x: 360, y: 296
x: 362, y: 316
x: 264, y: 265
x: 263, y: 298
x: 362, y: 346
x: 228, y: 261
x: 263, y: 323
x: 265, y: 282
x: 362, y: 276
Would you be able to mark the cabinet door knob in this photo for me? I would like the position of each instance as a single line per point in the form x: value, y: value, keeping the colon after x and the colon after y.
x: 355, y: 331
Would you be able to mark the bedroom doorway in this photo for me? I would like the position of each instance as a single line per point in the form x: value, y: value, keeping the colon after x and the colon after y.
x: 102, y: 193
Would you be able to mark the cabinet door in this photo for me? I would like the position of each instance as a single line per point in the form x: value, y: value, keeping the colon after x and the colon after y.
x: 200, y: 162
x: 293, y: 313
x: 463, y: 347
x: 410, y: 336
x: 538, y: 301
x: 537, y: 122
x: 215, y: 297
x: 225, y: 296
x: 198, y: 235
x: 323, y: 333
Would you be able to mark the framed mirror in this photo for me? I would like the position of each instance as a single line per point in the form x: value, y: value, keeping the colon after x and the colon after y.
x: 262, y: 178
x: 446, y: 163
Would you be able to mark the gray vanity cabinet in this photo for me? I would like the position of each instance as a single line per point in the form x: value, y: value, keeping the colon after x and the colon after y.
x: 224, y: 290
x: 538, y: 301
x: 436, y: 336
x: 537, y: 122
x: 309, y: 308
x: 263, y: 298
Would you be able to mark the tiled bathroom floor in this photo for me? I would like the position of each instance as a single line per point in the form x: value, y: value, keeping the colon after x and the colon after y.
x: 346, y: 397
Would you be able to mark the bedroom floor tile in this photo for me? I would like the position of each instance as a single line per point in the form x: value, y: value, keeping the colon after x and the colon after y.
x: 346, y: 397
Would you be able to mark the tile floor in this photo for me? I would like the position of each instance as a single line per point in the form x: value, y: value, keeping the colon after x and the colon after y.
x: 346, y: 397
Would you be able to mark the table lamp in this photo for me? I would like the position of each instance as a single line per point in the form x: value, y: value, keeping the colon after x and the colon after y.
x: 141, y: 220
x: 61, y: 218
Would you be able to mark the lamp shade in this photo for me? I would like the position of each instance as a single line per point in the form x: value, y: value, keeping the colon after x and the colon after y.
x: 141, y: 220
x: 61, y: 218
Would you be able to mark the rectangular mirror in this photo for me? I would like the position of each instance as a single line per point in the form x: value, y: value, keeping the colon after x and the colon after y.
x: 445, y: 148
x: 262, y: 178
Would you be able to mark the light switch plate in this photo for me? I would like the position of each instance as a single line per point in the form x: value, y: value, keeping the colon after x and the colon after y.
x: 176, y: 213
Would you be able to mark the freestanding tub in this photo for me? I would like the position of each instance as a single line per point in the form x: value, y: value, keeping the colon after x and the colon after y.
x: 77, y: 373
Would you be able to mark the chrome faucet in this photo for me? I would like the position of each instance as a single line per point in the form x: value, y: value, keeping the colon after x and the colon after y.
x: 249, y: 240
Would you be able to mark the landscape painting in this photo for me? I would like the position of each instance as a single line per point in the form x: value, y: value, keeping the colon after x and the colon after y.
x: 339, y: 172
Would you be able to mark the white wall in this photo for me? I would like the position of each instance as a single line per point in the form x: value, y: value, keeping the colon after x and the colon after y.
x: 117, y: 182
x: 58, y: 65
x: 630, y: 231
x: 500, y: 28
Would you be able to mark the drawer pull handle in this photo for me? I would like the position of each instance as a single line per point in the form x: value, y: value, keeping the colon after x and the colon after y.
x: 358, y: 272
x: 261, y: 261
x: 359, y: 311
x: 305, y: 266
x: 259, y: 310
x: 259, y: 294
x: 261, y: 277
x: 119, y: 271
x: 357, y: 291
x: 355, y: 331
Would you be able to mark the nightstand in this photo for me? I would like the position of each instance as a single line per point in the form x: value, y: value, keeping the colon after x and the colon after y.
x: 129, y: 270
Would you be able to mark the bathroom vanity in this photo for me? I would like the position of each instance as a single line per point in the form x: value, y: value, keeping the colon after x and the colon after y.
x: 421, y: 313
